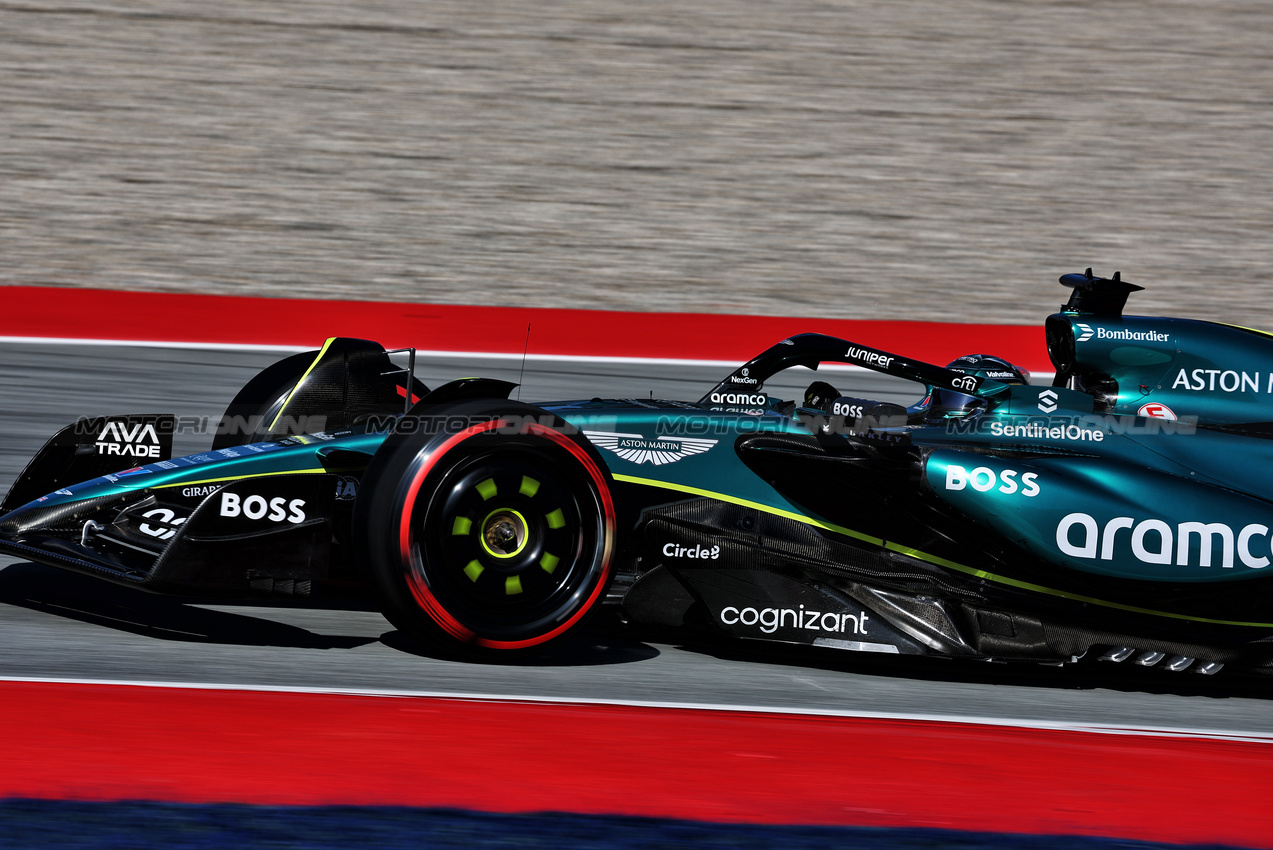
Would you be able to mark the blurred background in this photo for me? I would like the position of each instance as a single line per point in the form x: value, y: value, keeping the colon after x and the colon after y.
x: 869, y: 159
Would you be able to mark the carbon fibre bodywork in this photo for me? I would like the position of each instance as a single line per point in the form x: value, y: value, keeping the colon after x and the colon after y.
x: 1123, y: 509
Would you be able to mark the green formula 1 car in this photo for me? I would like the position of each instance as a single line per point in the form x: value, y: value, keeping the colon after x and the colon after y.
x: 1123, y: 510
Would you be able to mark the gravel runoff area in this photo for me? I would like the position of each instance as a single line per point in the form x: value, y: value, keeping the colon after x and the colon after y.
x: 859, y: 158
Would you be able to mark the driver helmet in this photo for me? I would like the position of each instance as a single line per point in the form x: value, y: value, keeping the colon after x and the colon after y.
x: 952, y: 404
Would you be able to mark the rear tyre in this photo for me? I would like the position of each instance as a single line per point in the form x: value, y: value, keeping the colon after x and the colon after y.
x: 487, y: 533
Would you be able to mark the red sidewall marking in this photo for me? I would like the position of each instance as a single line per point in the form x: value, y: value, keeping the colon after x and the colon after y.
x: 69, y: 312
x: 101, y: 742
x: 424, y: 595
x: 608, y: 530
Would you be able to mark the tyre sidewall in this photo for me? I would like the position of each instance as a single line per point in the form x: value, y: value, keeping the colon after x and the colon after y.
x: 398, y: 494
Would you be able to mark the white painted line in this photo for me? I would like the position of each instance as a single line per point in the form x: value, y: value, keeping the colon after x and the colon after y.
x: 133, y: 343
x: 435, y: 355
x: 579, y: 358
x: 1002, y: 722
x: 420, y: 353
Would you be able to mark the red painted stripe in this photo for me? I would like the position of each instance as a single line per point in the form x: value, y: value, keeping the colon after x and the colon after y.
x: 32, y: 311
x: 104, y: 742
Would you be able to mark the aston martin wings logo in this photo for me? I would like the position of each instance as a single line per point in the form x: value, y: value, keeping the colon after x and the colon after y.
x: 640, y: 449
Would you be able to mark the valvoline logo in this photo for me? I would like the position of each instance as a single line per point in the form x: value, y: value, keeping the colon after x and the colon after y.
x: 1155, y: 410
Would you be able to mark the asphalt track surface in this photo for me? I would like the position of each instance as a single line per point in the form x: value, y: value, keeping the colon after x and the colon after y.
x: 56, y: 625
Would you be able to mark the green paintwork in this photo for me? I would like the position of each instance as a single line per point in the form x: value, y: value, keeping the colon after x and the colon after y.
x: 1122, y: 521
x: 1219, y: 373
x: 298, y: 455
x: 1117, y: 496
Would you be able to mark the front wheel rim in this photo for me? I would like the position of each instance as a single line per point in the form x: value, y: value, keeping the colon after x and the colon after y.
x: 514, y: 593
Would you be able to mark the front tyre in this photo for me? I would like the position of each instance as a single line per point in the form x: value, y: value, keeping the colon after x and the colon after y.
x: 488, y: 530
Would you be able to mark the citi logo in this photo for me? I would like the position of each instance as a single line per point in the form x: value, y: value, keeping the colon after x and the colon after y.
x: 1047, y: 401
x: 1087, y: 332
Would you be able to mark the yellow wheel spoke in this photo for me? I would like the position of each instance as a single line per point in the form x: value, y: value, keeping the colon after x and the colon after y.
x: 556, y: 519
x: 462, y: 525
x: 512, y: 585
x: 487, y: 489
x: 529, y: 487
x: 473, y: 570
x: 549, y: 562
